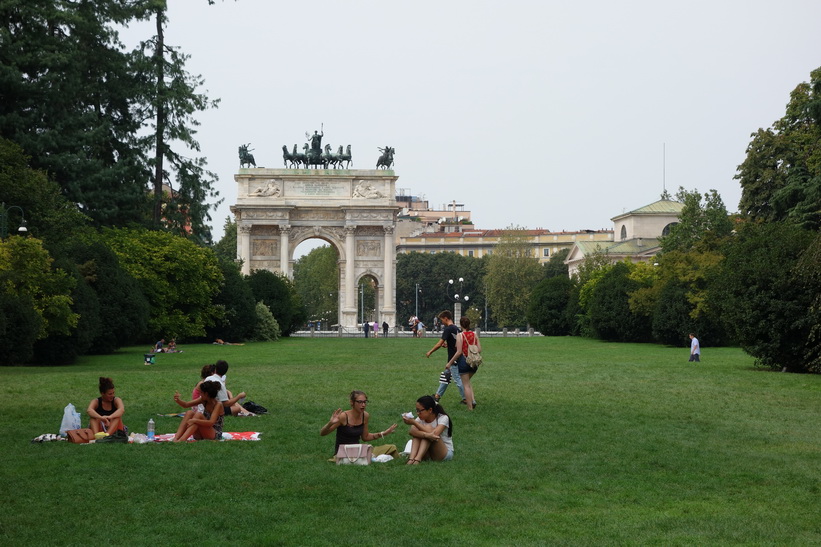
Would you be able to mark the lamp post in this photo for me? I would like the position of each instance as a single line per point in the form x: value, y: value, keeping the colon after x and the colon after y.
x: 4, y: 220
x: 417, y: 291
x: 457, y: 298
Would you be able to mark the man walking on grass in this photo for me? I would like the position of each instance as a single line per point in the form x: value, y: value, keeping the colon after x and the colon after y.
x: 449, y: 339
x: 695, y: 349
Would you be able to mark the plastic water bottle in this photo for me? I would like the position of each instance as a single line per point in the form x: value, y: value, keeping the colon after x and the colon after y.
x: 151, y: 429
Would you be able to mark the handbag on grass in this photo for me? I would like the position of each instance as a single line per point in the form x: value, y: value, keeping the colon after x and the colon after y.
x: 354, y: 454
x: 80, y: 436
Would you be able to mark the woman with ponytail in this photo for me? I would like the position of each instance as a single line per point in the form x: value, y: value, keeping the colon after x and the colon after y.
x: 431, y: 432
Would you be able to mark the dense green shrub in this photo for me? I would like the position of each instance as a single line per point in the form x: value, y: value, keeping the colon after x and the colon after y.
x: 548, y: 306
x: 266, y: 328
x: 761, y: 300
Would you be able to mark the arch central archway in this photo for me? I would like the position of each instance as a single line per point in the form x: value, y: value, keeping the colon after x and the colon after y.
x: 353, y: 210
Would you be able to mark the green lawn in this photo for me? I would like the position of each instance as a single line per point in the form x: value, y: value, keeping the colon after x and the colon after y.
x: 574, y: 442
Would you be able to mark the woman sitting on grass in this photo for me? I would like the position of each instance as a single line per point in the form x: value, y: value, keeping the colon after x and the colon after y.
x: 106, y: 411
x: 202, y: 425
x: 352, y: 425
x: 431, y: 432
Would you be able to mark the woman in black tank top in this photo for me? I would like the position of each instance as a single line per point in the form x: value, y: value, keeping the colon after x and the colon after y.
x: 351, y: 426
x: 106, y: 411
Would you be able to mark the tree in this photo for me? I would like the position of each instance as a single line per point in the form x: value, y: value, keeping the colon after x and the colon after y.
x: 278, y: 293
x: 226, y: 248
x: 179, y: 279
x: 808, y: 273
x: 77, y: 102
x: 673, y: 293
x: 609, y: 307
x: 26, y: 270
x: 123, y: 308
x: 235, y: 301
x: 548, y: 307
x: 781, y: 175
x: 430, y: 273
x: 49, y: 215
x: 512, y: 273
x: 556, y: 267
x: 703, y: 222
x: 761, y: 300
x: 171, y: 100
x: 67, y: 92
x: 19, y: 326
x: 316, y: 278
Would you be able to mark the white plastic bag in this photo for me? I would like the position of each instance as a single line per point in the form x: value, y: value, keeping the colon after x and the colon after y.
x: 71, y: 419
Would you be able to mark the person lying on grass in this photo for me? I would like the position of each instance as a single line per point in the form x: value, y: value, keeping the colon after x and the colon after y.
x: 431, y: 432
x: 105, y: 413
x: 202, y: 425
x: 352, y: 425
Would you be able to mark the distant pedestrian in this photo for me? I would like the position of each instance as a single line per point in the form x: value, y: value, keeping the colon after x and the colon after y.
x: 695, y: 349
x: 385, y: 329
x: 366, y: 326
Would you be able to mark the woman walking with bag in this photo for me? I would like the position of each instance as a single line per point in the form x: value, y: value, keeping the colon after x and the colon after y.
x: 352, y: 425
x: 464, y: 339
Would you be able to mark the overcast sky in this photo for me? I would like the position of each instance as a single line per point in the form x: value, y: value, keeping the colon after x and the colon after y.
x: 542, y: 114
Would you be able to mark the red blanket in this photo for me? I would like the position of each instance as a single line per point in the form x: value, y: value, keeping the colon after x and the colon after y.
x: 226, y: 436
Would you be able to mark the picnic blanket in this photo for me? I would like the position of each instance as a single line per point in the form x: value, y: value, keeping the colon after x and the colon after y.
x: 226, y: 436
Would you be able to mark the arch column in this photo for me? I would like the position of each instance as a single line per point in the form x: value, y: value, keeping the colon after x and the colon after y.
x: 244, y: 250
x: 284, y: 244
x: 350, y: 273
x: 389, y: 296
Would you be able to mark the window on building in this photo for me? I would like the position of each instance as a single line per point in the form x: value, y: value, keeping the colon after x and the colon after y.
x: 623, y: 232
x: 470, y: 253
x: 666, y: 230
x: 545, y: 252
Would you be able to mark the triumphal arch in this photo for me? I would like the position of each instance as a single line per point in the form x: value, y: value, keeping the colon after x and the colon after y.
x: 352, y: 210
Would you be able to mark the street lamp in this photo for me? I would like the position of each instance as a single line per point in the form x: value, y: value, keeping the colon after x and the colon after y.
x: 4, y: 220
x: 418, y: 290
x: 457, y: 299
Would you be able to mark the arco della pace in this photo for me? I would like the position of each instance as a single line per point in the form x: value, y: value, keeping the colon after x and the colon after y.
x: 352, y: 210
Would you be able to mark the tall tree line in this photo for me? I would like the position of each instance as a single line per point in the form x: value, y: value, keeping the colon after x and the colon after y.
x: 98, y: 118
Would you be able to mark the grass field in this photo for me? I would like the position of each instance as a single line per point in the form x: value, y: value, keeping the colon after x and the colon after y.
x: 574, y: 442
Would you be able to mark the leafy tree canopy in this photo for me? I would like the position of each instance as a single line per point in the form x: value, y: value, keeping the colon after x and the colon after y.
x: 179, y: 279
x: 316, y: 278
x: 512, y: 274
x: 703, y: 222
x: 781, y: 175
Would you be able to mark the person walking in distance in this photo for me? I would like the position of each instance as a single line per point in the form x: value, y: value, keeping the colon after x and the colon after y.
x: 449, y: 333
x: 695, y: 349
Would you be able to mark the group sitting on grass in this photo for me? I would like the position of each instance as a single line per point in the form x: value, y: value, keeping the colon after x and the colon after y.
x: 210, y: 402
x: 430, y: 431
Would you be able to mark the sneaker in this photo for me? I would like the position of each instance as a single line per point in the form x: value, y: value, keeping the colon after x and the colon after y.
x: 463, y: 402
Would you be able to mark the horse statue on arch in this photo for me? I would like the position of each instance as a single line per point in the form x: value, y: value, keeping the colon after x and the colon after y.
x: 385, y: 161
x: 344, y: 157
x: 246, y: 158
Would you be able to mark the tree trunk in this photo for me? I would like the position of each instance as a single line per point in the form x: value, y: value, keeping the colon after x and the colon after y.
x: 158, y: 168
